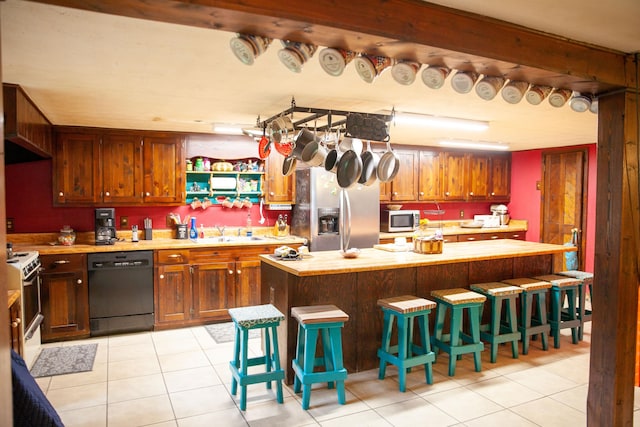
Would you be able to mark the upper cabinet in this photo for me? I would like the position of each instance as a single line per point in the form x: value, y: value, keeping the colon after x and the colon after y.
x: 430, y: 176
x: 278, y: 188
x: 25, y: 125
x: 98, y: 166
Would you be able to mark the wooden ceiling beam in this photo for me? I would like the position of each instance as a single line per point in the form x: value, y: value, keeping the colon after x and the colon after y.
x: 409, y: 29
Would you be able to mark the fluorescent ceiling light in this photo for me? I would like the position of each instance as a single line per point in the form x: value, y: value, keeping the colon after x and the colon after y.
x: 228, y: 129
x: 440, y: 122
x: 475, y: 145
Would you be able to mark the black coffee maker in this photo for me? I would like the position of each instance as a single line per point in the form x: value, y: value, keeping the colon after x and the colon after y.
x: 105, y: 226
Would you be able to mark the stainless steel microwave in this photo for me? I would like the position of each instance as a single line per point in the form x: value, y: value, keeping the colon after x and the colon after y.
x: 402, y: 220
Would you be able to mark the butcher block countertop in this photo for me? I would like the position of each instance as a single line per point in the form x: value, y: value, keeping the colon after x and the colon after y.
x: 331, y: 262
x: 452, y: 228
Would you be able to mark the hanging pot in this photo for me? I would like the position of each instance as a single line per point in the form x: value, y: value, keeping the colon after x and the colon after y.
x: 369, y: 166
x: 348, y: 169
x: 264, y: 147
x: 388, y: 165
x: 314, y: 153
x: 332, y: 159
x: 302, y: 139
x: 289, y: 165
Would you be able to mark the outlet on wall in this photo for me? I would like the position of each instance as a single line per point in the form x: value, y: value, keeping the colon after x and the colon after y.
x: 124, y: 222
x: 9, y: 225
x: 461, y: 213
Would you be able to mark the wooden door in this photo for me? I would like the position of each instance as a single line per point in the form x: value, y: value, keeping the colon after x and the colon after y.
x: 479, y: 176
x: 404, y: 187
x: 15, y: 327
x: 174, y: 293
x: 564, y: 199
x: 278, y: 188
x: 121, y: 168
x: 247, y: 283
x: 454, y: 185
x: 213, y: 289
x: 64, y: 299
x: 164, y: 170
x: 430, y: 176
x: 500, y: 181
x: 76, y: 178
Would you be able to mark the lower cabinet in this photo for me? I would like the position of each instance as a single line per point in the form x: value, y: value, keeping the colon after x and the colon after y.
x: 64, y: 297
x: 199, y: 285
x: 15, y: 327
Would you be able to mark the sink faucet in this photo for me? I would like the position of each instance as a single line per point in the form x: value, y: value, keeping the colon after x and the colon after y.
x: 221, y: 230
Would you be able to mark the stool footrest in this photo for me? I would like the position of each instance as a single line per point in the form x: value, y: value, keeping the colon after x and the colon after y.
x: 318, y: 377
x: 257, y: 378
x: 410, y: 362
x: 502, y: 338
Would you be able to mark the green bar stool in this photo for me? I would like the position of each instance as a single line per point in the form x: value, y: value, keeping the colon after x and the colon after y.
x: 267, y: 318
x: 407, y: 309
x: 561, y: 286
x: 532, y: 324
x: 584, y: 313
x: 327, y: 322
x: 500, y: 330
x: 457, y: 300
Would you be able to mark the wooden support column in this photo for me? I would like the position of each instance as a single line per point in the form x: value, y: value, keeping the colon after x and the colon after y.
x: 615, y: 292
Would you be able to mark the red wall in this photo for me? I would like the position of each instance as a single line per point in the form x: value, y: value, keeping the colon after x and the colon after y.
x: 526, y: 170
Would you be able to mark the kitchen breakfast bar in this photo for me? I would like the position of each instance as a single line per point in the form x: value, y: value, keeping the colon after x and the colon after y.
x: 355, y: 285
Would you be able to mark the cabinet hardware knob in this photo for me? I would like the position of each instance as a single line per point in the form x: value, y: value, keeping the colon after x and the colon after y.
x: 395, y: 193
x: 271, y: 193
x: 162, y: 276
x: 79, y: 281
x: 515, y: 236
x: 108, y: 194
x: 62, y: 261
x: 14, y: 324
x: 422, y: 193
x: 493, y: 194
x: 174, y: 256
x: 18, y: 320
x: 238, y: 271
x: 147, y: 194
x: 446, y: 194
x: 230, y: 271
x: 494, y: 237
x: 471, y: 238
x: 471, y: 193
x: 61, y: 194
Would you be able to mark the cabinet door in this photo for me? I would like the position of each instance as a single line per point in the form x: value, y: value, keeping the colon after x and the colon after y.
x: 247, y: 285
x: 174, y: 293
x: 121, y: 168
x: 278, y: 188
x: 404, y: 186
x: 455, y: 176
x: 213, y: 289
x: 430, y: 176
x: 15, y: 327
x: 479, y: 177
x: 164, y: 164
x: 76, y: 177
x: 501, y: 178
x: 65, y: 305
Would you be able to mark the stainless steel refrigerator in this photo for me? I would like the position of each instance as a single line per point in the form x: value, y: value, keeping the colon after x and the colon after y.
x: 316, y: 214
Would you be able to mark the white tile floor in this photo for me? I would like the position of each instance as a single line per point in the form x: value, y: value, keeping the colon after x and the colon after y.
x: 181, y: 378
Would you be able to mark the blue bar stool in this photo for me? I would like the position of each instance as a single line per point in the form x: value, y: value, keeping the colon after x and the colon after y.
x: 457, y: 300
x: 326, y: 321
x: 265, y: 317
x: 533, y: 324
x: 561, y: 286
x: 500, y: 330
x: 407, y: 309
x: 584, y: 313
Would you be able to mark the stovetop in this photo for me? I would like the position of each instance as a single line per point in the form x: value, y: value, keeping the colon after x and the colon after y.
x: 25, y: 261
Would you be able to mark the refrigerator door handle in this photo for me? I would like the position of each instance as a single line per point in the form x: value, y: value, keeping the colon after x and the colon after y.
x: 345, y: 220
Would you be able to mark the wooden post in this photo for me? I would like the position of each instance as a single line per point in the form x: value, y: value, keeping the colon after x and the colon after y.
x: 615, y: 291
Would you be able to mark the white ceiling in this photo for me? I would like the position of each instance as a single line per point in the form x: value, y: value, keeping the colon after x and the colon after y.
x: 90, y: 69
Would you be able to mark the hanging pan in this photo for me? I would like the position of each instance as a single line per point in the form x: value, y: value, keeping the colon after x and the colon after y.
x: 369, y: 166
x: 289, y: 165
x: 348, y: 169
x: 388, y: 165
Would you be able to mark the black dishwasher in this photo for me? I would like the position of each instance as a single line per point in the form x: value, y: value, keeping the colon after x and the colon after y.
x: 120, y: 292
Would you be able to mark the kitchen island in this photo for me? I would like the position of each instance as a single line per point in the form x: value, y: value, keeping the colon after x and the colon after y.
x: 355, y: 285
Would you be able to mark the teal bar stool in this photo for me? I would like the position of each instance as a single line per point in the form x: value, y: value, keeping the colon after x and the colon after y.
x: 584, y: 313
x: 457, y: 342
x: 325, y: 321
x: 267, y: 318
x: 561, y: 286
x: 406, y: 310
x: 532, y: 323
x: 500, y: 329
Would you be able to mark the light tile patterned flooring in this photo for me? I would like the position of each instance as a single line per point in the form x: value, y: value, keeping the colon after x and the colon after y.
x: 181, y: 378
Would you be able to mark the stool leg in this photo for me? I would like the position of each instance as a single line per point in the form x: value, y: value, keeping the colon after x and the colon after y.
x: 542, y: 312
x: 475, y: 335
x: 311, y: 337
x: 403, y: 330
x: 299, y: 357
x: 441, y: 311
x: 581, y: 302
x: 336, y: 345
x: 496, y: 315
x: 276, y: 362
x: 556, y: 300
x: 513, y: 324
x: 527, y: 302
x: 245, y: 362
x: 423, y: 324
x: 571, y: 295
x: 327, y: 353
x: 386, y: 340
x: 456, y: 323
x: 236, y: 360
x: 267, y: 355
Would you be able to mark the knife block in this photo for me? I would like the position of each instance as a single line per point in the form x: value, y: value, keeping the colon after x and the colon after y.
x: 148, y: 234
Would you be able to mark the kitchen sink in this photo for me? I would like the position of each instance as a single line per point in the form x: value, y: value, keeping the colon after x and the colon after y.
x: 230, y: 239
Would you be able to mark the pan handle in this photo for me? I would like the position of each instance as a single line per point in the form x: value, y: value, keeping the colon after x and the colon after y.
x: 345, y: 220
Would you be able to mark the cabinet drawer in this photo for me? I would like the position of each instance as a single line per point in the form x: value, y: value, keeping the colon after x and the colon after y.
x: 173, y: 256
x: 63, y: 263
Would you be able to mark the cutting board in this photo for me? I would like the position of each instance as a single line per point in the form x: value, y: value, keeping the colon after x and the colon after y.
x: 392, y: 247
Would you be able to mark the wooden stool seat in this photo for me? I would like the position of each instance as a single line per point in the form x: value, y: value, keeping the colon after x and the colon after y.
x: 457, y: 343
x: 499, y: 331
x: 561, y: 286
x: 407, y: 310
x: 584, y: 313
x: 325, y: 321
x: 533, y: 318
x: 265, y: 317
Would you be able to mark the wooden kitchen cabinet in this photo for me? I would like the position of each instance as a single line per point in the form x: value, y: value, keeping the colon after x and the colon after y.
x: 15, y: 322
x: 430, y: 176
x: 455, y: 177
x: 277, y: 187
x: 64, y: 297
x: 404, y: 187
x: 500, y: 183
x: 94, y: 167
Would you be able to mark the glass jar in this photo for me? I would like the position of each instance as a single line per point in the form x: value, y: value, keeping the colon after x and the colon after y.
x: 67, y: 236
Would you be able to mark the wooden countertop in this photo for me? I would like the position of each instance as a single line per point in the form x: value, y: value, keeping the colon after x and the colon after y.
x: 453, y: 228
x: 13, y: 296
x: 331, y: 262
x: 155, y: 244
